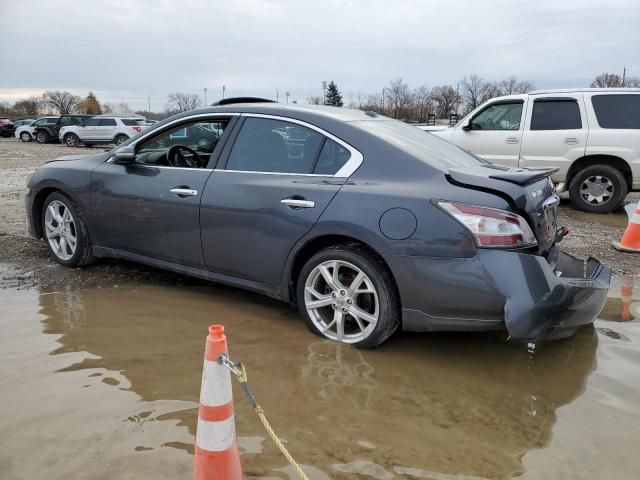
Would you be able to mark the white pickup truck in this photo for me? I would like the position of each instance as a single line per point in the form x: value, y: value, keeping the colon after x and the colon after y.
x: 592, y: 135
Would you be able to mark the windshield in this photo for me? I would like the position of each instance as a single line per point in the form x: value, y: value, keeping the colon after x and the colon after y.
x: 427, y: 147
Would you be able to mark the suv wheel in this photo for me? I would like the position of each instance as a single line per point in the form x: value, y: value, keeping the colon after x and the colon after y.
x: 25, y: 137
x: 42, y: 137
x: 71, y: 140
x: 65, y: 231
x: 120, y: 139
x: 346, y: 294
x: 598, y: 189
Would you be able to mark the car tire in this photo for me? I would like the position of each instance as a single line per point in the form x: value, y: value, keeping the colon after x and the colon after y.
x: 598, y: 189
x: 26, y: 137
x: 368, y: 315
x: 42, y: 137
x: 71, y: 140
x: 120, y: 139
x: 61, y: 221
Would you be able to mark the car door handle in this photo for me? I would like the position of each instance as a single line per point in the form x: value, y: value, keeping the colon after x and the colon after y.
x: 571, y: 141
x: 297, y: 203
x: 184, y: 192
x: 512, y: 140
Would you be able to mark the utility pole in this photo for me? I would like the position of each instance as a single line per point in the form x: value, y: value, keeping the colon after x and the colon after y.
x: 223, y: 89
x: 205, y: 97
x: 148, y: 104
x: 624, y: 75
x: 277, y: 96
x: 287, y: 95
x: 324, y: 89
x: 383, y: 100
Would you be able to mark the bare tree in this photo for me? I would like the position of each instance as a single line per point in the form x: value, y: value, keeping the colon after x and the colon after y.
x: 183, y: 102
x: 314, y: 100
x: 28, y: 108
x: 445, y: 98
x: 62, y: 102
x: 489, y: 91
x: 399, y: 97
x: 632, y: 82
x: 472, y: 91
x: 607, y: 80
x: 422, y: 103
x: 512, y: 86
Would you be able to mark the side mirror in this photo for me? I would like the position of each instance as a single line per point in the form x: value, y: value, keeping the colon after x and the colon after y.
x: 466, y: 125
x: 124, y: 155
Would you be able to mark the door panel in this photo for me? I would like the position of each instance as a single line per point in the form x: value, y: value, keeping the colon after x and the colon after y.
x: 546, y: 141
x: 247, y: 231
x: 496, y: 133
x: 133, y: 209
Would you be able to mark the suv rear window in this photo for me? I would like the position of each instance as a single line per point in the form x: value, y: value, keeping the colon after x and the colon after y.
x: 555, y: 115
x: 107, y: 122
x: 134, y: 122
x: 617, y: 111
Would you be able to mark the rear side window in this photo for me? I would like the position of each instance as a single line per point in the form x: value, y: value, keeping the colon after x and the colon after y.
x: 107, y: 122
x: 134, y: 122
x: 555, y: 115
x: 265, y: 145
x: 617, y: 111
x: 92, y: 122
x: 332, y: 158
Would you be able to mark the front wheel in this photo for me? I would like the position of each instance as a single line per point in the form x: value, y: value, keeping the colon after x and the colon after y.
x: 120, y: 139
x: 42, y: 137
x: 25, y: 137
x: 598, y: 189
x: 65, y: 231
x: 71, y: 140
x: 346, y: 294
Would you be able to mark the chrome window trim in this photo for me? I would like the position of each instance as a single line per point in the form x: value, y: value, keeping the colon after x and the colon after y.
x: 347, y: 169
x: 278, y: 173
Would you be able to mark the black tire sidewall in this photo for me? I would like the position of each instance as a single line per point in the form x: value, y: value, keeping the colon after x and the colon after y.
x: 82, y: 246
x: 118, y: 137
x: 27, y: 135
x: 43, y: 135
x: 71, y: 135
x: 389, y: 305
x: 614, y: 175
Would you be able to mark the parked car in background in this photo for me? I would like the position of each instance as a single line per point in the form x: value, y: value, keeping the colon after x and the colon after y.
x: 102, y: 129
x: 6, y: 127
x: 48, y: 132
x: 592, y: 136
x: 22, y: 122
x: 26, y: 133
x: 366, y: 223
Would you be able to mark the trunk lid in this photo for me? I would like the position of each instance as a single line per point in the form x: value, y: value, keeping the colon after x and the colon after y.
x: 530, y: 192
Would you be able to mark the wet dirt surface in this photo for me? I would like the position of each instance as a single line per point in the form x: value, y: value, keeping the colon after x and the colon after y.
x: 100, y: 371
x: 104, y: 383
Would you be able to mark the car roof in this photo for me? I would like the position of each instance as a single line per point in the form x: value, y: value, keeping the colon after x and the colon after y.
x: 572, y: 90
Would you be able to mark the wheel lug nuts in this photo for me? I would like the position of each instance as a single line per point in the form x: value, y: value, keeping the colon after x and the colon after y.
x: 343, y: 292
x: 344, y: 310
x: 349, y: 301
x: 333, y: 295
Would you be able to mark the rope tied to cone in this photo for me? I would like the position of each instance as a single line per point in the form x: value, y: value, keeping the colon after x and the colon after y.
x: 240, y: 373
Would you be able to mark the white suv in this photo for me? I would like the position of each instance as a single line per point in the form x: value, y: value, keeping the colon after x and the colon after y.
x: 27, y: 132
x: 102, y: 129
x: 592, y: 135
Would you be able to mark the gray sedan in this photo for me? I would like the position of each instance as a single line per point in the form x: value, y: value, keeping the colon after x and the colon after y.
x: 365, y: 223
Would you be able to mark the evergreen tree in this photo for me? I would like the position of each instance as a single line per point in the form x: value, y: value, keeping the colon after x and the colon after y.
x: 334, y: 97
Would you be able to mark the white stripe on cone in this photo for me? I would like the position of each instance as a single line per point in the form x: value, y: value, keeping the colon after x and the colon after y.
x: 216, y: 436
x: 216, y: 385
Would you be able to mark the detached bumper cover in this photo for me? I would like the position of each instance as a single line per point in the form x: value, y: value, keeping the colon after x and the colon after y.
x: 498, y: 289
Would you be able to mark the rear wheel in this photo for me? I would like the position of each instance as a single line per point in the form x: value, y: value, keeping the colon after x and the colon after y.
x: 65, y: 231
x: 120, y: 139
x: 346, y: 294
x: 598, y: 189
x: 25, y: 137
x: 42, y: 137
x: 71, y: 140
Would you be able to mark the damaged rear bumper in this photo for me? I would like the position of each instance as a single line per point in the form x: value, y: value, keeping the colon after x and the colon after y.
x: 501, y: 289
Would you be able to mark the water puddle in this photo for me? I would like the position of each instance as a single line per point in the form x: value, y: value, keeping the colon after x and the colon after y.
x: 104, y: 383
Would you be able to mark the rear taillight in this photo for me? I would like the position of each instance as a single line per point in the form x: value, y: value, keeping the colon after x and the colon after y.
x: 137, y: 129
x: 491, y: 227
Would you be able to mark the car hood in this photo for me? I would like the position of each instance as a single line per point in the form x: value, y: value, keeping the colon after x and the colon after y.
x: 89, y: 158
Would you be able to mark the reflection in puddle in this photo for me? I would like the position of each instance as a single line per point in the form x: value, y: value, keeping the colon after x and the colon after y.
x: 115, y: 385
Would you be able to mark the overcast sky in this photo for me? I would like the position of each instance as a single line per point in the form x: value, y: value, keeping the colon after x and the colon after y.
x: 126, y: 50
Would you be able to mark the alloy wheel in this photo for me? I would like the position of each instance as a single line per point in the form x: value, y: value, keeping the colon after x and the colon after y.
x: 341, y: 301
x: 25, y: 137
x: 61, y: 230
x: 71, y: 140
x: 596, y: 190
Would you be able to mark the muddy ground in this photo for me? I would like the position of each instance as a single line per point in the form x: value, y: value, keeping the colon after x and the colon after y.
x: 591, y: 235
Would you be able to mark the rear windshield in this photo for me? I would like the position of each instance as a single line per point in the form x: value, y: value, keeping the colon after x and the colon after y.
x: 423, y: 145
x: 617, y: 111
x: 134, y: 122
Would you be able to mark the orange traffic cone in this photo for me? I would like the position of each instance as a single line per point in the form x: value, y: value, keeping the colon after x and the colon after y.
x: 630, y: 241
x: 217, y: 455
x: 626, y: 294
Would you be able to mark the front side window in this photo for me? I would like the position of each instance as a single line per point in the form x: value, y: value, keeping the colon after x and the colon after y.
x: 188, y: 145
x: 617, y: 111
x: 92, y: 122
x: 555, y: 115
x: 500, y: 116
x: 107, y: 122
x: 266, y: 145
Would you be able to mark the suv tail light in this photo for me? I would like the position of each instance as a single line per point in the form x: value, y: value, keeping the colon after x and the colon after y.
x: 491, y: 227
x: 137, y: 129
